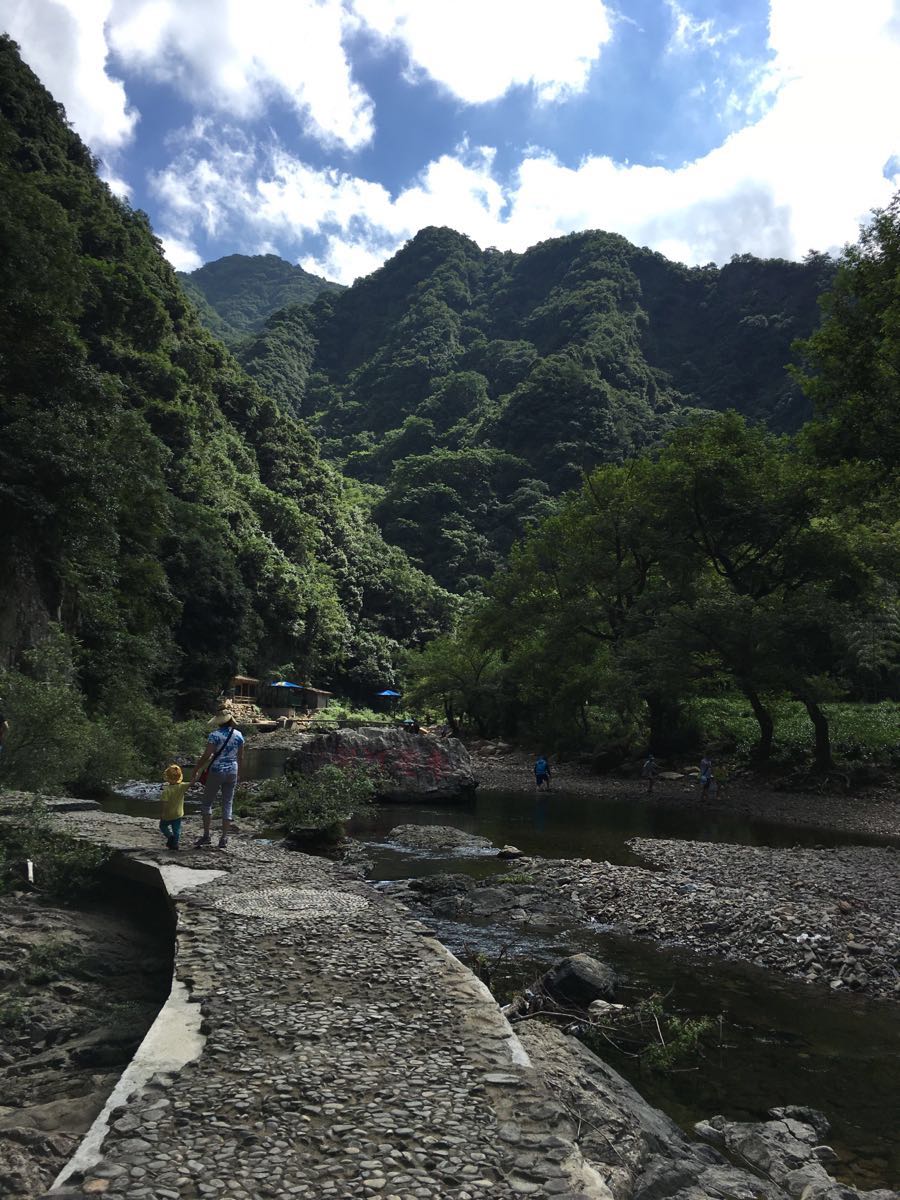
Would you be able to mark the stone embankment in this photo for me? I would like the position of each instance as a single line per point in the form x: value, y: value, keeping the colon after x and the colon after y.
x: 317, y: 1043
x: 830, y: 917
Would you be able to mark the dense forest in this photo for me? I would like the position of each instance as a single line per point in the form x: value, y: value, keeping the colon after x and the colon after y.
x: 470, y: 388
x: 165, y: 522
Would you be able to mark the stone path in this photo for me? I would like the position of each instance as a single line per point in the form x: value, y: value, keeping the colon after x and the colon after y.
x: 346, y: 1053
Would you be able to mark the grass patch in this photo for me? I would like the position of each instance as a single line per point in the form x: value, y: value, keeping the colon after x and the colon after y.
x: 859, y: 732
x: 64, y: 868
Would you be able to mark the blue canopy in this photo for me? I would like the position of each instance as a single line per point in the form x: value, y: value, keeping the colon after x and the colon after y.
x: 387, y: 692
x: 282, y: 683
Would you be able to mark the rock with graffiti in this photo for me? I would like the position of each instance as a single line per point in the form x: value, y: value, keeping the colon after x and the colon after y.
x: 412, y: 765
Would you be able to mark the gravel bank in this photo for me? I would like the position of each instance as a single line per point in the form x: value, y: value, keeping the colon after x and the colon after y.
x: 830, y: 917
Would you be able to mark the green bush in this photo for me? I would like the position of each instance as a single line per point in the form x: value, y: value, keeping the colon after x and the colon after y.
x: 322, y: 801
x: 55, y: 745
x: 345, y: 711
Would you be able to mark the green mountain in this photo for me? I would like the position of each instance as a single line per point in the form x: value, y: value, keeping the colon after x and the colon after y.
x: 154, y: 501
x: 236, y: 294
x: 472, y: 387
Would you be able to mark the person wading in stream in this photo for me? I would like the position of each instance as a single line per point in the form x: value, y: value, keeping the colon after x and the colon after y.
x: 218, y: 771
x: 542, y: 773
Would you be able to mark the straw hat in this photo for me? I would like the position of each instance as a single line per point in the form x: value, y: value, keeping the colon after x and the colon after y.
x: 222, y: 717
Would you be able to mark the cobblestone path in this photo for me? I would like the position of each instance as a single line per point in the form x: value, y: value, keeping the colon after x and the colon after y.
x: 346, y: 1053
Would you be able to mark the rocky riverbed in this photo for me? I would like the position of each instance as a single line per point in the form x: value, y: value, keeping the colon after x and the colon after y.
x: 78, y: 990
x: 830, y: 917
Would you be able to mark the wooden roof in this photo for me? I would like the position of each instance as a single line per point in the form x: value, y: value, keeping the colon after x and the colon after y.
x: 243, y: 679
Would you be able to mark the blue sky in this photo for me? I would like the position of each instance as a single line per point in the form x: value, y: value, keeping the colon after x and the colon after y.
x: 329, y: 131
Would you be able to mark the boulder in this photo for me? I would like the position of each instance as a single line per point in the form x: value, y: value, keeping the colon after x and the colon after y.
x: 438, y: 837
x: 510, y: 852
x: 578, y: 980
x: 412, y: 765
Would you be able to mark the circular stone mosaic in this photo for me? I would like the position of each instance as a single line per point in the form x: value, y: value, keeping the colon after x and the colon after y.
x: 291, y: 904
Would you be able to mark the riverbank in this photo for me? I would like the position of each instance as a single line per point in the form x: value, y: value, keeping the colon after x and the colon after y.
x: 874, y: 812
x: 79, y: 987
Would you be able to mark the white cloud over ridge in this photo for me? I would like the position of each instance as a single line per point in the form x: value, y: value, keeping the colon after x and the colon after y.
x: 235, y: 56
x: 805, y: 164
x: 802, y: 176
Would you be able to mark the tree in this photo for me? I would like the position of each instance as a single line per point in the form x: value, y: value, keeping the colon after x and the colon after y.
x: 853, y: 360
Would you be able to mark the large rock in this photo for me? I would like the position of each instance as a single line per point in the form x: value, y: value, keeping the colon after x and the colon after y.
x: 414, y: 766
x: 438, y: 837
x: 788, y: 1150
x: 579, y: 980
x: 642, y: 1155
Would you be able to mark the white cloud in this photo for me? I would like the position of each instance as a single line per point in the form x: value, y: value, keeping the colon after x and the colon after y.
x: 479, y: 49
x: 63, y: 42
x: 691, y: 33
x: 181, y: 255
x: 801, y: 176
x: 237, y: 56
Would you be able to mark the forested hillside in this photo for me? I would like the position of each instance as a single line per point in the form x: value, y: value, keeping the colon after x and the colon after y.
x: 472, y: 386
x: 155, y: 504
x: 730, y: 580
x: 235, y: 295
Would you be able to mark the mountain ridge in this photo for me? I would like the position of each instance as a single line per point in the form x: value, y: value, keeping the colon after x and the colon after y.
x: 267, y: 283
x: 583, y: 349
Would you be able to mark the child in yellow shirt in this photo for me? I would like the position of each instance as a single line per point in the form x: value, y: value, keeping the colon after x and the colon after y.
x: 172, y: 810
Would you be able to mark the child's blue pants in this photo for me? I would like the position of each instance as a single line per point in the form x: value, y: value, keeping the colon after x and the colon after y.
x: 171, y: 828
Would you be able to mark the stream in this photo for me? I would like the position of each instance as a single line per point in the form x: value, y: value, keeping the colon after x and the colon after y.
x: 778, y: 1042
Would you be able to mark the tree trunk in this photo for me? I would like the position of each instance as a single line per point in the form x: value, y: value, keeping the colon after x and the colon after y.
x: 823, y: 759
x: 766, y: 724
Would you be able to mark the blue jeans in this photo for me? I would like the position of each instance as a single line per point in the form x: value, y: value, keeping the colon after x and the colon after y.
x: 171, y: 828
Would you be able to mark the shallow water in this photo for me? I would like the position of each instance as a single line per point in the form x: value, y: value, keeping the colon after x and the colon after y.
x: 782, y: 1042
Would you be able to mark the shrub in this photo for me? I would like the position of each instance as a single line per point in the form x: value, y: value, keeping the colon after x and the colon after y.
x: 343, y: 712
x: 322, y: 801
x: 55, y: 745
x: 660, y: 1041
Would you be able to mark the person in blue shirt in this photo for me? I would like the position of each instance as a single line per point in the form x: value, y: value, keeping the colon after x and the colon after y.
x: 542, y: 773
x: 221, y: 763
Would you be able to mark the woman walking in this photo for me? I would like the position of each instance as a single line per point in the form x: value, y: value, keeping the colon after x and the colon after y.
x: 218, y: 771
